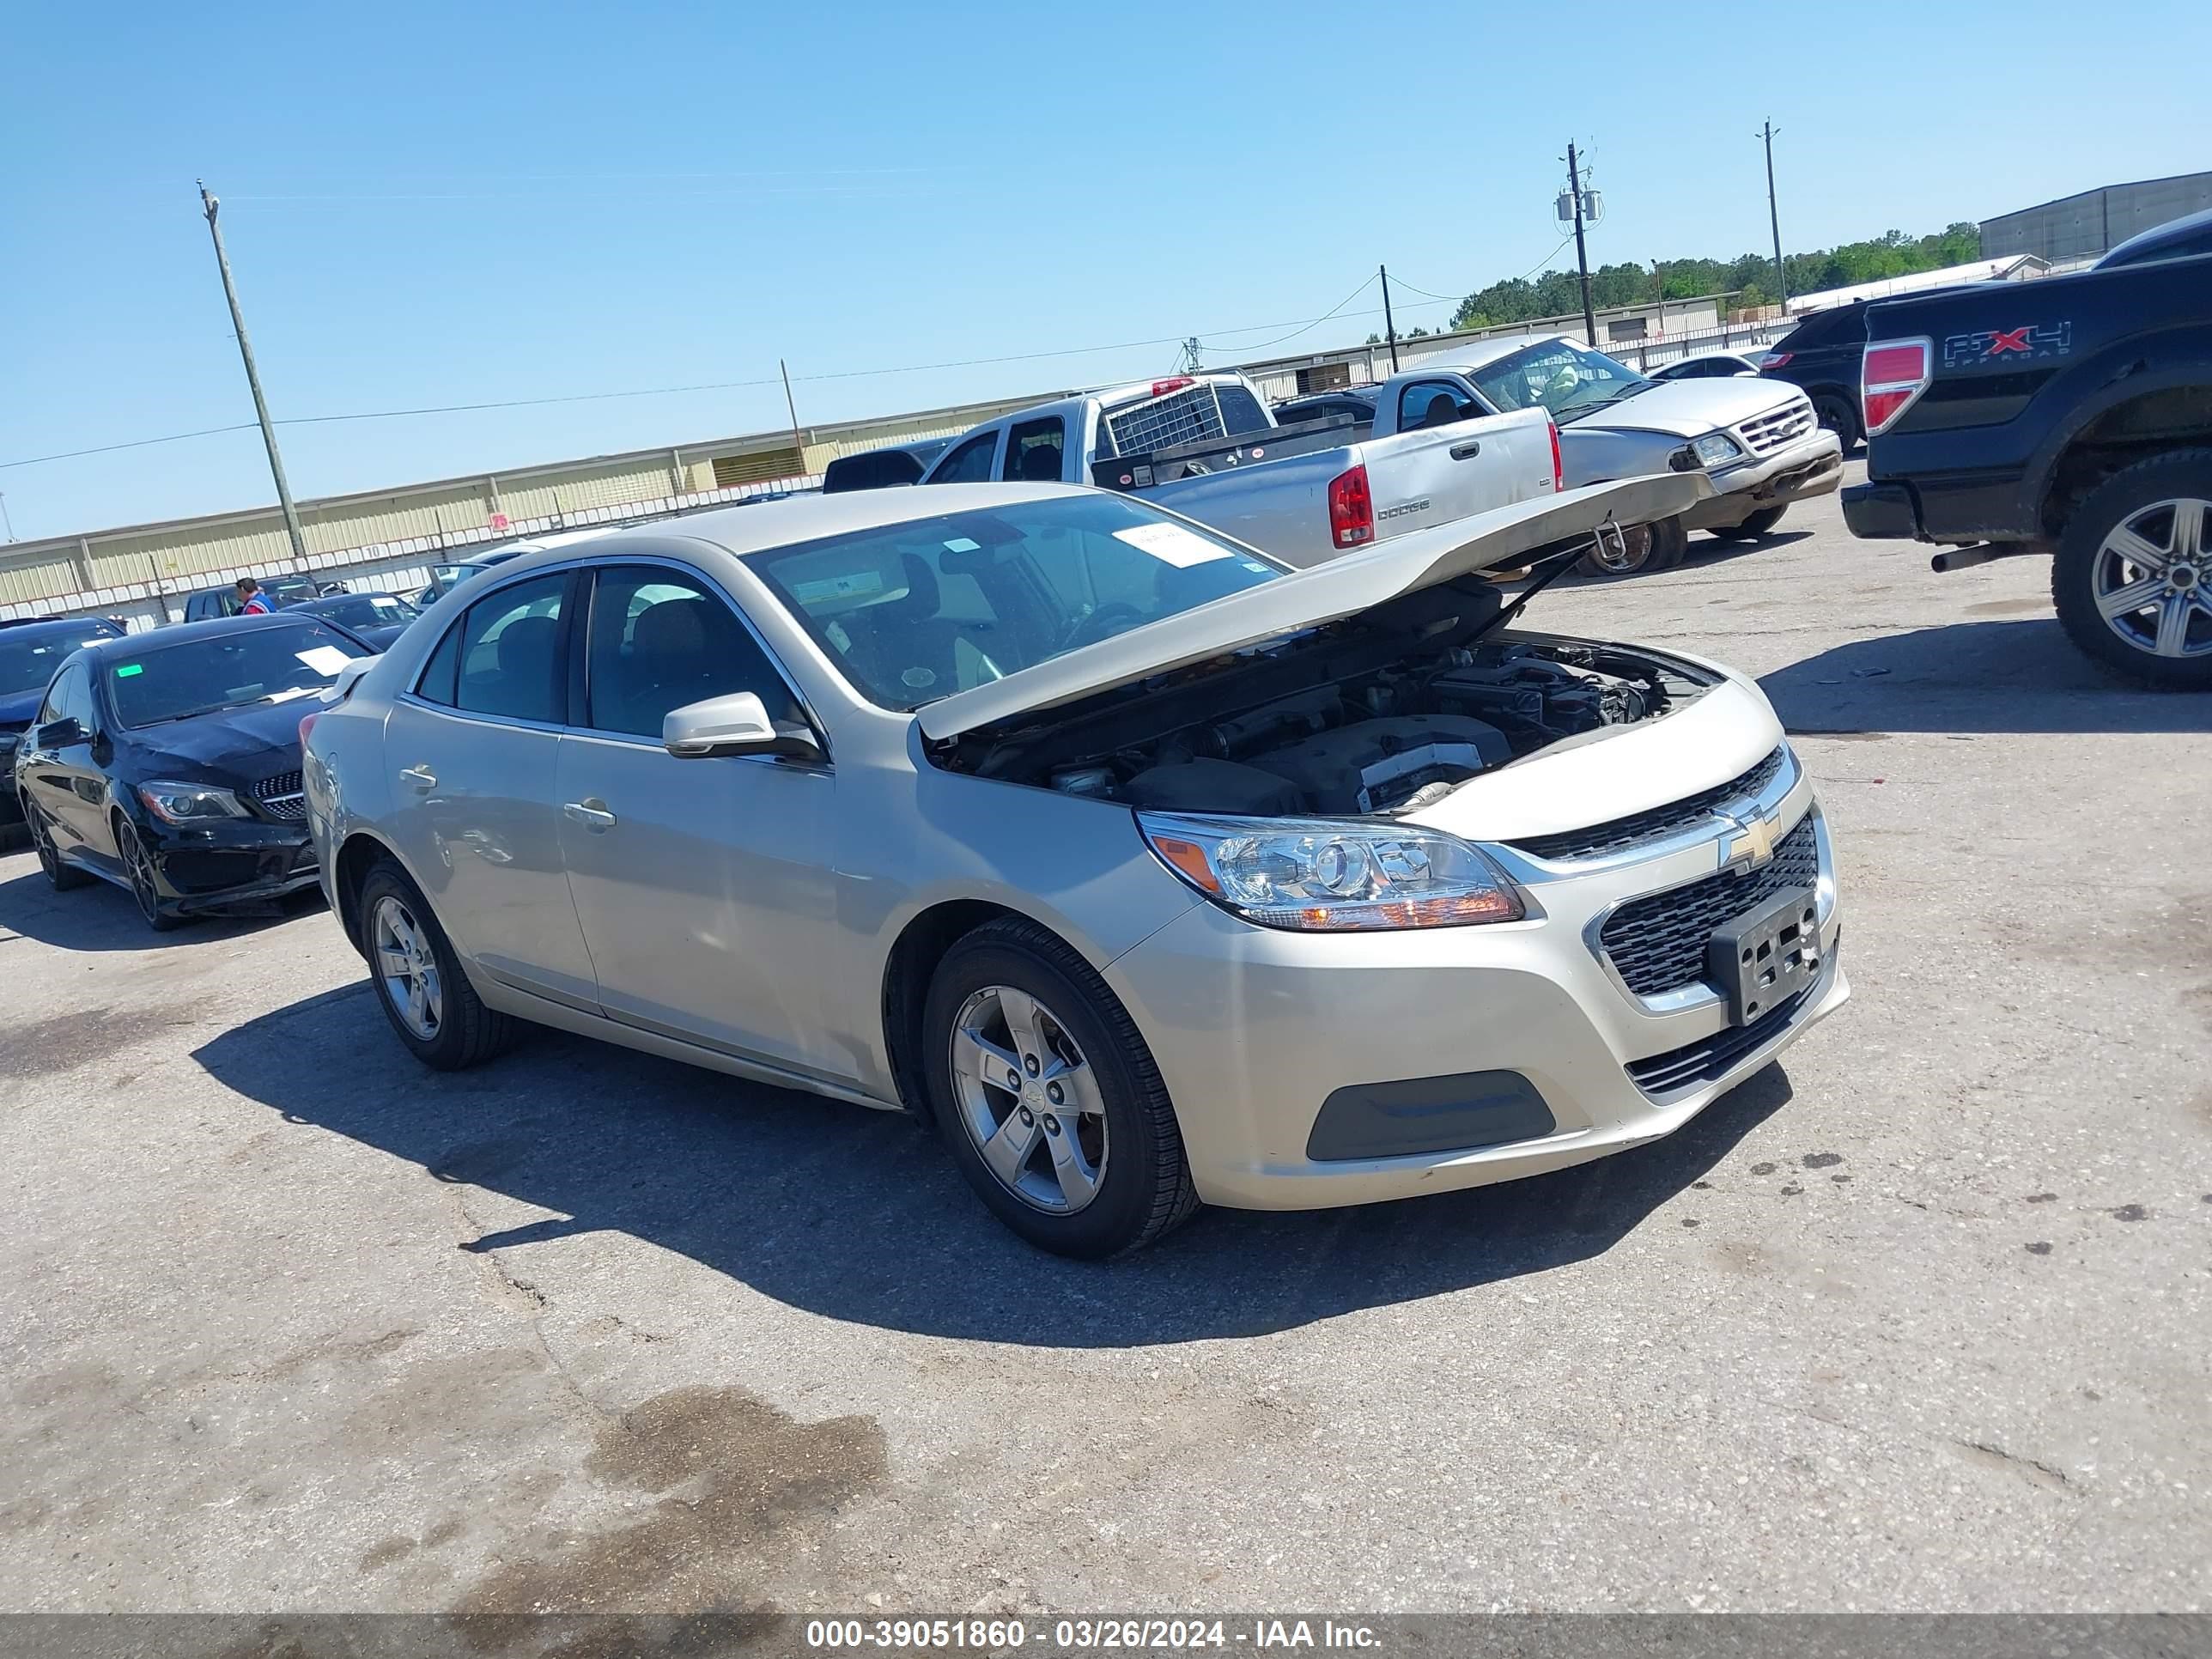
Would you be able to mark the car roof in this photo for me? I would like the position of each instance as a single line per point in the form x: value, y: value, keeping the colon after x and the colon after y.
x: 2153, y: 244
x: 47, y: 625
x: 184, y: 633
x: 769, y: 525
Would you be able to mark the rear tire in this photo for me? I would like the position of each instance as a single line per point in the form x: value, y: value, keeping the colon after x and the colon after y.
x: 445, y: 1025
x: 1758, y: 525
x: 2145, y: 533
x: 1834, y: 412
x: 61, y: 875
x: 1671, y: 544
x: 1113, y: 1123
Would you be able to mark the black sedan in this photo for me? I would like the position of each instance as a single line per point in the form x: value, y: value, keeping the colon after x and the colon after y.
x: 379, y: 618
x: 29, y: 654
x: 168, y: 763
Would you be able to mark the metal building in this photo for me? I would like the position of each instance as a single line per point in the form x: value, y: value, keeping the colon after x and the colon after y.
x: 2084, y: 225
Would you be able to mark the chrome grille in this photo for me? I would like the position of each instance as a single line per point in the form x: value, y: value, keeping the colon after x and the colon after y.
x: 1657, y: 943
x: 283, y: 796
x: 1765, y: 434
x: 1619, y: 835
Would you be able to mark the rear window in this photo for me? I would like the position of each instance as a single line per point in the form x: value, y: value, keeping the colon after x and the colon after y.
x: 234, y: 668
x: 1831, y: 327
x: 912, y: 612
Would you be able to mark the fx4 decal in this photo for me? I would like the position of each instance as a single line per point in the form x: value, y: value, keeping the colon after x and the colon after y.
x: 2029, y: 341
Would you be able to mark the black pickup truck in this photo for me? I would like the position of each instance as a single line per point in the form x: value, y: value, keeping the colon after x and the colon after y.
x: 2072, y: 417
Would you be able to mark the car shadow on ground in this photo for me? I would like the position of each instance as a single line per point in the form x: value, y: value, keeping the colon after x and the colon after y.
x: 1990, y: 675
x: 861, y: 1216
x: 100, y: 916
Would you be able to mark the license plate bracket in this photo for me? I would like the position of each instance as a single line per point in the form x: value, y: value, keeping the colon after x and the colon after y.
x: 1766, y: 956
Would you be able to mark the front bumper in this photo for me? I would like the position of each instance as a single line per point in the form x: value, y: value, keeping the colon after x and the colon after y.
x: 1813, y: 466
x: 239, y: 862
x: 1253, y: 1030
x: 1882, y: 512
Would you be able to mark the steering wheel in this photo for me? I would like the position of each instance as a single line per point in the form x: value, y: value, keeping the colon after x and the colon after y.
x: 1103, y: 623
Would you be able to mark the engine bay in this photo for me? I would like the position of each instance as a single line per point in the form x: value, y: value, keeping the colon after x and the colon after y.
x: 1365, y: 731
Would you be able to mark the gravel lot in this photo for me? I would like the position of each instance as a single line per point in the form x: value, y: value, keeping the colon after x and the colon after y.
x: 1917, y: 1320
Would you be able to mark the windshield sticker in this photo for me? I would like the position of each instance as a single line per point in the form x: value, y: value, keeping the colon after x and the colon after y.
x: 848, y: 587
x: 962, y: 544
x: 324, y: 659
x: 129, y: 669
x: 1171, y: 543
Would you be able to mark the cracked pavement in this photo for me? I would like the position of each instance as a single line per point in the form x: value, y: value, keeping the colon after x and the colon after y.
x: 1918, y: 1320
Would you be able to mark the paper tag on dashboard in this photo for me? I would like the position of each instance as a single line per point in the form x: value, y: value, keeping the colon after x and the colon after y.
x: 324, y: 659
x: 1172, y: 544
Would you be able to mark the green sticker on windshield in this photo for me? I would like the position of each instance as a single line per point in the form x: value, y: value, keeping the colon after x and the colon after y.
x: 129, y: 669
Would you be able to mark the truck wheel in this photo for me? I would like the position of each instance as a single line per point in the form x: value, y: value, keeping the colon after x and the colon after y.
x: 1834, y: 412
x: 2133, y: 578
x: 1758, y: 524
x: 1638, y: 550
x: 1048, y: 1097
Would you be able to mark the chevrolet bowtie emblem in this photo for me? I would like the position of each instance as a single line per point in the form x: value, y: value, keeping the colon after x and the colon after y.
x: 1755, y: 846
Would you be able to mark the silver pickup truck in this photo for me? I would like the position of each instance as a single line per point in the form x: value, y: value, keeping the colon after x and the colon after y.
x: 1203, y: 446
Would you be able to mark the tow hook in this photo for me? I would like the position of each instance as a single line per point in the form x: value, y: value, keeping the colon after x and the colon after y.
x: 1619, y: 541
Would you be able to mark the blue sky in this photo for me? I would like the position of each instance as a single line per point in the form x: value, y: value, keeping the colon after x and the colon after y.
x: 437, y: 204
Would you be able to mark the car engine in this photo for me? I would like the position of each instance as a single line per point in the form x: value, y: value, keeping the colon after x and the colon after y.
x: 1387, y: 740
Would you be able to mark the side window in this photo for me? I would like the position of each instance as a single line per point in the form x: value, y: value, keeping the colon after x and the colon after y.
x: 659, y: 640
x: 70, y: 698
x: 510, y: 653
x: 970, y: 463
x: 441, y: 675
x: 1427, y: 403
x: 1033, y: 451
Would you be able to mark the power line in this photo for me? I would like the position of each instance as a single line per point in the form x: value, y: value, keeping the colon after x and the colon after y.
x: 1263, y: 344
x: 134, y: 443
x: 1409, y: 287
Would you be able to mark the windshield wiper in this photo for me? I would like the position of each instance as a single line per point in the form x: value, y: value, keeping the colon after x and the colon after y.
x: 187, y: 714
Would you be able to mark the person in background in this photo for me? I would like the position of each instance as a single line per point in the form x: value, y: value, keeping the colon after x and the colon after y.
x: 252, y: 601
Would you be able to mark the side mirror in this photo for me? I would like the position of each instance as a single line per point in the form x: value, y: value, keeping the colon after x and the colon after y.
x: 734, y: 725
x: 59, y: 734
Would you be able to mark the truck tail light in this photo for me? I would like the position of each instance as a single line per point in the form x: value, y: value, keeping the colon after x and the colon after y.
x: 1891, y: 374
x: 1559, y: 471
x: 1350, y: 508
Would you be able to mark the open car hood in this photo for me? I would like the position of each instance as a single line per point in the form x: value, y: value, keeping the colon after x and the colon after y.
x: 1343, y: 587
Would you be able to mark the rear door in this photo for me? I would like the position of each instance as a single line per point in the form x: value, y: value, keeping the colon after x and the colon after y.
x: 473, y: 746
x: 704, y: 886
x: 1451, y: 457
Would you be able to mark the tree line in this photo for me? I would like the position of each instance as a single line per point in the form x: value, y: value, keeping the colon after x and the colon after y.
x: 1749, y: 277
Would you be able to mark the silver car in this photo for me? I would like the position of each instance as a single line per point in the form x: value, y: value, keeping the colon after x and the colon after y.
x: 1150, y: 872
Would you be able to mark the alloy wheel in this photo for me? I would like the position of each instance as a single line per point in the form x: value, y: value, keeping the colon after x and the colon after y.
x: 1028, y: 1100
x: 50, y: 859
x: 2152, y: 580
x: 406, y: 969
x: 138, y: 865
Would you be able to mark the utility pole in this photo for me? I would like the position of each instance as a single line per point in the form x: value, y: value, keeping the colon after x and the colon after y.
x: 1774, y: 218
x: 5, y: 519
x: 798, y: 443
x: 1582, y: 253
x: 1193, y: 357
x: 1389, y: 328
x: 253, y: 380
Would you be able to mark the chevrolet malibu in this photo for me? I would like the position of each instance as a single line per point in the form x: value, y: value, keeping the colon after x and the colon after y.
x: 1150, y: 872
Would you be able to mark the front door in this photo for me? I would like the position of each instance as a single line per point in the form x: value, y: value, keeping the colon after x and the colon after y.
x: 473, y: 751
x: 63, y: 780
x: 703, y: 886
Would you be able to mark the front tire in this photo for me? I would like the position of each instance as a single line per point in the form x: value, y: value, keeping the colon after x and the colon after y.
x: 1643, y: 547
x: 418, y: 978
x: 1758, y: 525
x: 2133, y: 579
x: 1048, y: 1097
x: 138, y: 867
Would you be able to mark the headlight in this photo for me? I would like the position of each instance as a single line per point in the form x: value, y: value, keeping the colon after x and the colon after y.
x: 1716, y: 449
x: 189, y: 802
x: 1319, y: 876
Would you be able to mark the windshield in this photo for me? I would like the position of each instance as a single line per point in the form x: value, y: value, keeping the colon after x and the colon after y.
x: 227, y: 669
x: 26, y: 665
x: 371, y: 611
x: 912, y: 612
x: 1559, y: 376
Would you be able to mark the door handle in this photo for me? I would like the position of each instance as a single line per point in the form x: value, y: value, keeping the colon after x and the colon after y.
x: 592, y: 813
x: 420, y: 777
x: 1467, y: 451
